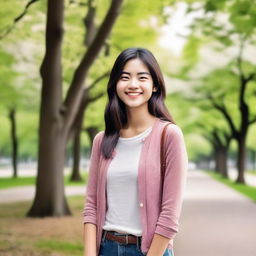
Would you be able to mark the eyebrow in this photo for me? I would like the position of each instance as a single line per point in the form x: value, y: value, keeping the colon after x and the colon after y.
x: 139, y: 73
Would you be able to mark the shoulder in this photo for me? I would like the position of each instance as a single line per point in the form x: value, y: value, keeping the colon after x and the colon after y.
x: 173, y: 131
x: 99, y: 135
x: 98, y: 138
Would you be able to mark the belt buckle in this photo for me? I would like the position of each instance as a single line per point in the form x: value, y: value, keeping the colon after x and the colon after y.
x: 126, y: 239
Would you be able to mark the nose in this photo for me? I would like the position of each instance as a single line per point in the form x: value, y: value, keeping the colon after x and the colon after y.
x: 133, y: 83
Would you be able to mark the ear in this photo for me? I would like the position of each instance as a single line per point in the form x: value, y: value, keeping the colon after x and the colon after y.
x: 154, y: 89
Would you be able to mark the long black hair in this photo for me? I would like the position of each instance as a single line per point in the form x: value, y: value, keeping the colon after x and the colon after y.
x: 115, y: 112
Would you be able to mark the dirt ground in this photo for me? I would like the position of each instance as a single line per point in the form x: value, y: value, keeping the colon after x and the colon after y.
x: 57, y: 236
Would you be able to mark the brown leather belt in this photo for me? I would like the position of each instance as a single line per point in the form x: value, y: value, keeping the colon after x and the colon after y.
x: 123, y: 239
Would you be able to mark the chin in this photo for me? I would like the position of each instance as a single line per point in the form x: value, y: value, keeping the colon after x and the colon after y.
x: 135, y: 105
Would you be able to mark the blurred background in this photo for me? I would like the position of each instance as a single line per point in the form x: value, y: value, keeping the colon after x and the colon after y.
x: 55, y: 58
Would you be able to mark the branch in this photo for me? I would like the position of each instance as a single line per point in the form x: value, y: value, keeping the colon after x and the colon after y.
x: 203, y: 126
x: 210, y: 139
x: 74, y: 95
x: 99, y: 95
x: 97, y: 80
x: 89, y: 23
x: 225, y: 113
x: 227, y: 137
x: 216, y: 136
x: 17, y: 19
x: 206, y: 133
x: 252, y: 121
x: 250, y: 77
x: 90, y: 87
x: 87, y: 99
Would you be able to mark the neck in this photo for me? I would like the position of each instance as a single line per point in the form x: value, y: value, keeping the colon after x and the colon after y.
x: 139, y: 119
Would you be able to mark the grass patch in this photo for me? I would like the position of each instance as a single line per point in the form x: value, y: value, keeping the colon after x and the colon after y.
x: 60, y: 246
x: 251, y: 172
x: 244, y: 189
x: 9, y: 182
x: 49, y: 236
x: 18, y: 211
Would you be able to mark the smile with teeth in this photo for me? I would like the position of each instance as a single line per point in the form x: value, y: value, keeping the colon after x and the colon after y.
x: 133, y: 93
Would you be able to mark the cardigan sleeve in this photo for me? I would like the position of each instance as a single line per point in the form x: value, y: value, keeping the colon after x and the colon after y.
x: 90, y: 207
x: 174, y: 182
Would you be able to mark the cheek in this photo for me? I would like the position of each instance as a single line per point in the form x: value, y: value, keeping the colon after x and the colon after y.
x: 148, y: 89
x: 120, y: 86
x: 119, y: 89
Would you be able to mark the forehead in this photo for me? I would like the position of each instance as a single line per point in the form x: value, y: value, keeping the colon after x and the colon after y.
x: 135, y: 65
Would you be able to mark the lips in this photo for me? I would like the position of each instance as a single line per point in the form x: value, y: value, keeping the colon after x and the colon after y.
x: 133, y: 93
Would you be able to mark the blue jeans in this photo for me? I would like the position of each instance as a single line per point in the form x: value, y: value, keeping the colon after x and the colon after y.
x: 113, y: 248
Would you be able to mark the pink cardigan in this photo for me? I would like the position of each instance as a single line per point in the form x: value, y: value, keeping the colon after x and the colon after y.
x: 162, y: 220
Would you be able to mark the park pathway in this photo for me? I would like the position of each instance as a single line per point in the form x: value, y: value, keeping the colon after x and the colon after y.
x: 215, y: 221
x: 11, y: 195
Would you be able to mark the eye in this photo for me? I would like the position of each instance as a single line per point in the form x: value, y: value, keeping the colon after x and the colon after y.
x: 143, y: 78
x: 124, y: 78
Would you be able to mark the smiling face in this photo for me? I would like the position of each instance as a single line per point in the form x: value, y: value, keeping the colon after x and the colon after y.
x: 135, y: 85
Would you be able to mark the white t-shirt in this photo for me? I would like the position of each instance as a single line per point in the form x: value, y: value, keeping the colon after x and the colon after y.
x: 123, y: 213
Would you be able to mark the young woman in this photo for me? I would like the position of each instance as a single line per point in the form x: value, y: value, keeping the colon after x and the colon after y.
x: 128, y: 211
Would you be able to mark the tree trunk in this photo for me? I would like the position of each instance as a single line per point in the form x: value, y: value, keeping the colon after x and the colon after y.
x: 223, y: 159
x: 76, y: 155
x: 56, y: 116
x: 216, y: 159
x: 50, y: 199
x: 239, y: 134
x: 254, y: 160
x: 76, y: 130
x: 76, y: 159
x: 12, y: 116
x: 241, y: 159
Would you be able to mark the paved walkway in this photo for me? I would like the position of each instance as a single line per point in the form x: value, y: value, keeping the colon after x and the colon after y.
x: 11, y: 195
x: 215, y: 221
